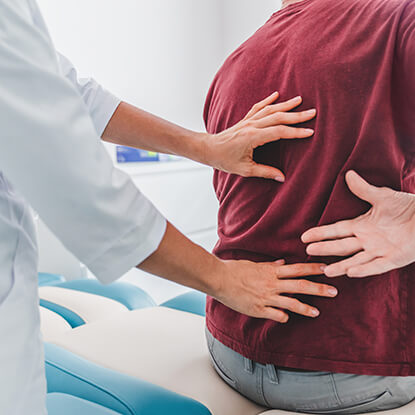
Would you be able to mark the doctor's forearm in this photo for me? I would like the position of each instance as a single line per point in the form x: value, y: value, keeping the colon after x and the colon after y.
x: 231, y: 150
x: 132, y: 127
x: 180, y: 260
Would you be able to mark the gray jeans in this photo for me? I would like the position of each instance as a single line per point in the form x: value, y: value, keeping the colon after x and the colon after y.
x: 309, y: 392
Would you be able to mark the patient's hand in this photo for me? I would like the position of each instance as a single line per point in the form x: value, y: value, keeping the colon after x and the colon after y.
x: 233, y: 149
x: 257, y: 289
x: 381, y: 240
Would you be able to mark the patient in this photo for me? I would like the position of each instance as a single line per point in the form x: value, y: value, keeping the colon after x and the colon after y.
x: 354, y: 61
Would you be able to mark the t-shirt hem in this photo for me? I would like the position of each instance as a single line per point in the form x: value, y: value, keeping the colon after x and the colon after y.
x: 310, y: 362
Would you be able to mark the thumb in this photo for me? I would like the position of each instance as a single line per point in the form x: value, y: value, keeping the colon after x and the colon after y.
x: 361, y: 188
x: 267, y: 172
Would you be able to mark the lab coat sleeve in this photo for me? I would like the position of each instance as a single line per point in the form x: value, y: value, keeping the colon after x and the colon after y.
x: 101, y: 104
x: 50, y: 151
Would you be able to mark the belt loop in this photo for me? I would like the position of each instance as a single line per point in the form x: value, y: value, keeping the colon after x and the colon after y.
x: 249, y: 367
x: 273, y: 374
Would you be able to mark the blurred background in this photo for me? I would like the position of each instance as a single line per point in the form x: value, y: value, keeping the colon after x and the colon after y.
x: 159, y: 55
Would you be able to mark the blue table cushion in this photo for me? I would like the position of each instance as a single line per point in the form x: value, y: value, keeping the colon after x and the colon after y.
x: 127, y: 294
x: 72, y: 318
x: 70, y: 374
x: 46, y: 279
x: 62, y: 404
x: 192, y: 302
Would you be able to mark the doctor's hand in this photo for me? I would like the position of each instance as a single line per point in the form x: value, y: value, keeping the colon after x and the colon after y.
x: 253, y: 289
x: 232, y: 150
x: 381, y: 240
x: 257, y: 289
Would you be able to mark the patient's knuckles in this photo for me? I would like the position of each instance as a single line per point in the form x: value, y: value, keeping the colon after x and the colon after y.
x: 249, y: 125
x: 278, y: 117
x: 268, y: 110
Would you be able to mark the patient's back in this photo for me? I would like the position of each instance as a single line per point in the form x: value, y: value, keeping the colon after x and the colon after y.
x: 354, y: 61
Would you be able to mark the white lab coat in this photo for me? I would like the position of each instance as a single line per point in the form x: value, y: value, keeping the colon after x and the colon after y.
x: 51, y: 157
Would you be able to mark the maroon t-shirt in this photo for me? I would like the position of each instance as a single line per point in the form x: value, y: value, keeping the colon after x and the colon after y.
x: 354, y: 61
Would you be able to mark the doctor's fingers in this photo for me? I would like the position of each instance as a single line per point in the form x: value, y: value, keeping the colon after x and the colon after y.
x: 299, y: 270
x: 294, y: 305
x: 280, y: 107
x: 306, y: 287
x: 266, y: 172
x: 285, y: 118
x: 259, y: 106
x: 339, y: 247
x: 342, y: 229
x: 274, y: 314
x: 270, y: 134
x: 342, y: 268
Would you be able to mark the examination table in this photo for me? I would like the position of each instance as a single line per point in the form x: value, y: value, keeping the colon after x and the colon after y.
x: 111, y: 349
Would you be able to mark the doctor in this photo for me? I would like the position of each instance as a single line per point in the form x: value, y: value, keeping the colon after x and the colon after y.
x: 51, y: 157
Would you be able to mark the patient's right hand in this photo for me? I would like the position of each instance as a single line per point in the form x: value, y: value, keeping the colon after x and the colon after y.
x: 257, y: 289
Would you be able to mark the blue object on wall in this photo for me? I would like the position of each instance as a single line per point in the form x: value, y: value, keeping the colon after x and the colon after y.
x: 192, y: 302
x: 73, y: 375
x: 72, y: 318
x: 129, y: 155
x: 129, y: 295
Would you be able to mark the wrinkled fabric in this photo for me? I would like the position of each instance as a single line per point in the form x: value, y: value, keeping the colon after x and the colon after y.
x: 355, y: 62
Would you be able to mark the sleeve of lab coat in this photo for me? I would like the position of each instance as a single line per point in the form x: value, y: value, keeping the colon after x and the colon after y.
x: 101, y: 104
x: 50, y: 151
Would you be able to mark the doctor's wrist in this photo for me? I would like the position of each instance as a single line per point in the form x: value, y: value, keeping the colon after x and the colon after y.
x: 200, y: 149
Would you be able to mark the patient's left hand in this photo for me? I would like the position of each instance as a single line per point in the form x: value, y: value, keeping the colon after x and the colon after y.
x: 381, y: 240
x: 232, y: 150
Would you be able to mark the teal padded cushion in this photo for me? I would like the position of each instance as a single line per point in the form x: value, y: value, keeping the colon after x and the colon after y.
x: 192, y: 302
x: 62, y: 404
x: 70, y: 374
x: 72, y: 318
x: 46, y: 279
x: 127, y: 294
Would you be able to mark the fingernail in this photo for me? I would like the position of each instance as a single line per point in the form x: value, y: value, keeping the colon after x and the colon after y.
x: 309, y: 130
x: 333, y: 291
x: 313, y: 111
x: 280, y: 179
x: 315, y: 313
x: 299, y: 97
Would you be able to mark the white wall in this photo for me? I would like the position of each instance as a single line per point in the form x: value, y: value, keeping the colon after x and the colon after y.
x: 241, y: 18
x: 160, y: 55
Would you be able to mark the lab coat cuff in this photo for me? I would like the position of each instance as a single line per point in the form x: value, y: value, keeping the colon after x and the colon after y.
x: 131, y: 250
x: 103, y: 112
